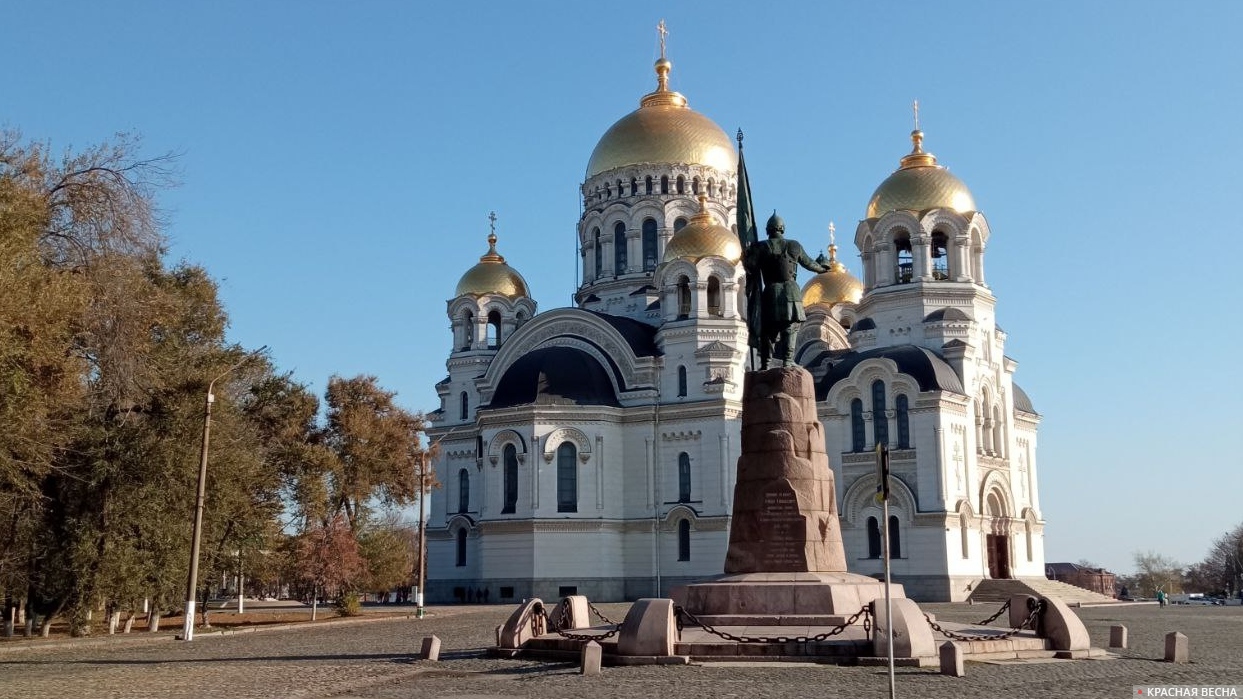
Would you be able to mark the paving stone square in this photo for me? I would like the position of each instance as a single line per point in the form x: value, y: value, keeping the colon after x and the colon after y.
x: 378, y: 659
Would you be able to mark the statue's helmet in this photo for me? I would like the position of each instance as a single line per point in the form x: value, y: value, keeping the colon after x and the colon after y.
x: 775, y: 223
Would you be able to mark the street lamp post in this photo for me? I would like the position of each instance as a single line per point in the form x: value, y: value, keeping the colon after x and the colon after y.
x: 422, y: 564
x: 187, y: 629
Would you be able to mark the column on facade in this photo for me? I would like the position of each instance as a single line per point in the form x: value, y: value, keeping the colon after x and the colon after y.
x: 699, y: 304
x: 869, y: 271
x: 599, y: 472
x: 634, y: 250
x: 607, y: 261
x: 535, y: 459
x: 650, y: 484
x: 724, y: 479
x: 961, y: 258
x: 884, y: 264
x: 921, y: 257
x: 939, y: 444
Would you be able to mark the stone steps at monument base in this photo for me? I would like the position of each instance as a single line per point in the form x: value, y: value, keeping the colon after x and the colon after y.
x: 1000, y: 591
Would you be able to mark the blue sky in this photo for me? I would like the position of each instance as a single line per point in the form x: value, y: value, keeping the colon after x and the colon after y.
x: 339, y: 161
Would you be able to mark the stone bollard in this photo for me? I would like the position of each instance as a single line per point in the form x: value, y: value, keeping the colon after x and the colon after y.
x: 951, y: 660
x: 1117, y: 636
x: 431, y: 648
x: 1175, y: 647
x: 589, y: 663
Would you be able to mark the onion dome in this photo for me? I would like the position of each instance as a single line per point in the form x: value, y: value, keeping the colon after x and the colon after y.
x: 663, y: 130
x: 703, y: 237
x: 834, y: 286
x: 920, y: 184
x: 492, y: 276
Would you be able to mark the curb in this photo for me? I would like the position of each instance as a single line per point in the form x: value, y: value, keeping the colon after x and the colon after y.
x: 159, y: 637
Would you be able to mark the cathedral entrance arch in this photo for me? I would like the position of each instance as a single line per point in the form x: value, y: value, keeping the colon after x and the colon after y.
x: 997, y: 541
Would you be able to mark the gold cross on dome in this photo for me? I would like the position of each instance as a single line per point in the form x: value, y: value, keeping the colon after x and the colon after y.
x: 660, y: 29
x: 492, y: 221
x: 916, y: 109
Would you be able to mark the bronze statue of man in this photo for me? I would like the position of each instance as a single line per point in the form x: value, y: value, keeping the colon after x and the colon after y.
x: 779, y: 301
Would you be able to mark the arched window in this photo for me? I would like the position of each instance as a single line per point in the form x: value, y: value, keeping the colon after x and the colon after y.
x: 619, y: 248
x: 494, y: 330
x: 873, y: 538
x: 649, y: 244
x: 905, y: 269
x: 895, y: 538
x: 679, y: 224
x: 681, y: 381
x: 511, y: 479
x: 621, y: 189
x: 684, y: 540
x: 684, y: 477
x: 714, y: 296
x: 664, y: 184
x: 858, y: 433
x: 904, y: 422
x: 940, y: 256
x: 695, y: 186
x: 647, y: 183
x: 634, y: 186
x: 684, y: 298
x: 880, y: 423
x: 681, y: 185
x: 461, y: 548
x: 595, y: 234
x: 463, y: 491
x: 711, y: 187
x: 608, y: 191
x: 567, y: 478
x: 520, y: 319
x: 464, y: 414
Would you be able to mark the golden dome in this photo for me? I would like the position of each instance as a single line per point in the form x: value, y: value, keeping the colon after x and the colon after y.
x: 663, y: 130
x: 834, y: 286
x: 920, y: 184
x: 492, y: 276
x: 703, y: 237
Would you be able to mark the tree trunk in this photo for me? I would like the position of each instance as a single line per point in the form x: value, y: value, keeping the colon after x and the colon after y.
x: 314, y: 602
x: 129, y: 621
x: 114, y: 618
x: 45, y: 629
x: 154, y: 624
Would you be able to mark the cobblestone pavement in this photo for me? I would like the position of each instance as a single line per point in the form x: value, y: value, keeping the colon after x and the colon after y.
x: 373, y: 659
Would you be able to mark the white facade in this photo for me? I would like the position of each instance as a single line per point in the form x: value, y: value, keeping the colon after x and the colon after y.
x: 592, y: 449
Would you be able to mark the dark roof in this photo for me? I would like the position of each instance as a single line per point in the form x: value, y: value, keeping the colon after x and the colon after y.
x: 643, y: 290
x: 640, y: 336
x: 1022, y: 401
x: 946, y: 314
x: 864, y: 324
x: 554, y: 376
x: 925, y: 366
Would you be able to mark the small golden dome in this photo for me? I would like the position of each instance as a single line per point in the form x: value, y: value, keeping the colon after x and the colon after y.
x: 834, y: 286
x: 703, y: 237
x: 663, y: 130
x: 492, y: 276
x: 920, y: 184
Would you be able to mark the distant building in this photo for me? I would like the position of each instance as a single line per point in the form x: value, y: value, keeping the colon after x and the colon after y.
x: 592, y: 449
x: 1095, y: 579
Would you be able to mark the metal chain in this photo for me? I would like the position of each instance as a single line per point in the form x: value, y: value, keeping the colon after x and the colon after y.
x: 993, y: 618
x: 564, y: 608
x: 600, y: 614
x: 680, y: 614
x: 1036, y: 606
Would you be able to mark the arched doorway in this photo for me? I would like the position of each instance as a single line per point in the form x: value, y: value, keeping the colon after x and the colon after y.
x: 997, y: 541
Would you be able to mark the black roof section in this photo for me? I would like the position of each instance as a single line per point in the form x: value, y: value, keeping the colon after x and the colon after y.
x: 946, y: 314
x: 640, y: 336
x: 925, y: 366
x: 555, y: 376
x: 1022, y: 401
x: 863, y: 324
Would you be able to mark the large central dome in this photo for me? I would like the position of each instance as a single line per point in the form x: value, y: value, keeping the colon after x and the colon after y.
x: 919, y: 185
x: 663, y: 130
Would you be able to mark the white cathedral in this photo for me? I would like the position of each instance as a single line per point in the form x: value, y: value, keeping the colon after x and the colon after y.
x: 591, y: 450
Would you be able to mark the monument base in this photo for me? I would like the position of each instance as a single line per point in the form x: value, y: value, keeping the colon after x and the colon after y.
x: 782, y: 599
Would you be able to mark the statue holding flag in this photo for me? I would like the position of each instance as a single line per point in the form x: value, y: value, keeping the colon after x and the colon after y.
x: 774, y: 298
